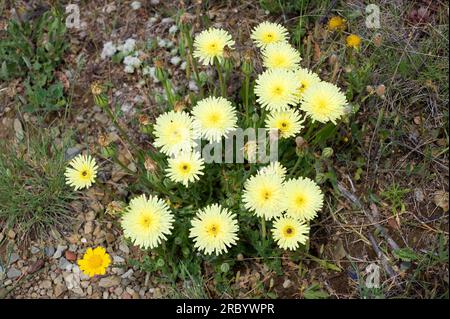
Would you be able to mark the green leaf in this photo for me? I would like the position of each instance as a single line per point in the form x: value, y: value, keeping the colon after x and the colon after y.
x: 406, y: 254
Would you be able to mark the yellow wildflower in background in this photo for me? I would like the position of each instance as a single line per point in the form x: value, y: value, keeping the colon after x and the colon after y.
x: 147, y: 222
x: 185, y: 167
x: 353, y: 41
x: 289, y: 233
x: 94, y: 262
x: 267, y: 32
x: 214, y: 229
x: 305, y: 79
x: 214, y: 117
x: 276, y: 89
x: 303, y: 198
x: 288, y: 123
x: 281, y: 55
x: 210, y: 44
x: 174, y: 132
x: 82, y: 172
x: 323, y: 102
x: 337, y: 23
x: 263, y: 194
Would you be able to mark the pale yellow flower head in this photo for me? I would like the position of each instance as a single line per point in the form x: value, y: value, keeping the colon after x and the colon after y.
x: 214, y: 118
x: 210, y: 44
x: 147, y: 222
x: 274, y: 168
x: 276, y: 89
x: 174, y: 132
x: 303, y: 198
x: 263, y: 194
x: 288, y: 123
x: 185, y: 167
x: 281, y: 55
x: 289, y: 233
x: 267, y: 32
x: 82, y: 172
x: 323, y: 102
x: 94, y: 262
x: 214, y: 230
x: 305, y: 79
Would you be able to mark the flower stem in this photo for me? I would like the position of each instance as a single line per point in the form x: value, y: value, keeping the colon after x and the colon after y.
x: 194, y: 61
x: 223, y: 88
x: 263, y: 229
x: 119, y: 128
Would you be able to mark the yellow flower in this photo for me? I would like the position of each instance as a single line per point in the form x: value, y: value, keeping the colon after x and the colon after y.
x: 214, y: 117
x: 288, y: 233
x: 94, y: 262
x: 305, y: 79
x: 210, y: 44
x: 353, y: 41
x: 303, y: 198
x: 288, y: 123
x: 263, y: 194
x: 185, y: 167
x: 214, y: 229
x: 281, y: 55
x: 147, y: 222
x: 82, y: 172
x: 276, y: 89
x: 174, y: 132
x: 336, y: 23
x: 274, y: 168
x: 323, y: 102
x: 267, y: 32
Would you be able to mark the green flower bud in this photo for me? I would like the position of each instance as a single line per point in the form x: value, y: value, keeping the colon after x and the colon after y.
x: 327, y: 152
x: 225, y: 267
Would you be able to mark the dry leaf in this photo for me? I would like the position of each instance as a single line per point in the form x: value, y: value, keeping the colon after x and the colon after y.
x: 441, y: 200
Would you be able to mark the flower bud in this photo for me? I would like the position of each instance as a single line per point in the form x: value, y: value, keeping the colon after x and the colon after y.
x: 320, y: 178
x: 225, y: 267
x: 381, y: 89
x: 150, y: 165
x: 327, y: 152
x: 115, y: 207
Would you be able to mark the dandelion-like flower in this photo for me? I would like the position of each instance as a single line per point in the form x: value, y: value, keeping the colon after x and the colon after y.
x: 336, y: 23
x: 147, y: 222
x: 214, y: 117
x: 353, y: 41
x: 210, y: 44
x: 303, y: 198
x: 185, y: 168
x: 323, y: 102
x: 174, y: 132
x: 288, y: 123
x: 82, y: 172
x: 281, y: 55
x: 267, y: 32
x: 276, y: 89
x: 274, y: 168
x: 214, y: 229
x: 94, y: 262
x: 263, y: 194
x: 305, y: 79
x: 289, y: 232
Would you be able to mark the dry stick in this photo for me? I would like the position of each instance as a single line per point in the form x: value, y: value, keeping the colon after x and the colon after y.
x: 381, y: 256
x: 352, y: 197
x: 384, y: 261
